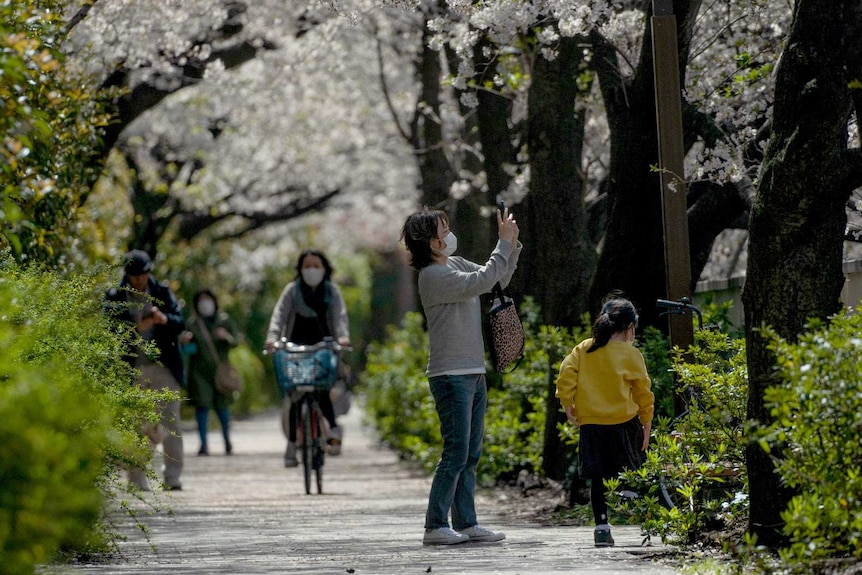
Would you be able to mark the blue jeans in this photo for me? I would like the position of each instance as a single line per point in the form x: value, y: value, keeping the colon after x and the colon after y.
x: 202, y: 417
x: 461, y: 401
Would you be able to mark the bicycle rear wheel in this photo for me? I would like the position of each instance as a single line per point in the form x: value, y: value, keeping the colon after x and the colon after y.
x: 670, y: 497
x: 308, y: 441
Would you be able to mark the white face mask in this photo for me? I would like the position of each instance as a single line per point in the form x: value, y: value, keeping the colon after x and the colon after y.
x: 206, y: 307
x: 313, y: 276
x: 451, y: 244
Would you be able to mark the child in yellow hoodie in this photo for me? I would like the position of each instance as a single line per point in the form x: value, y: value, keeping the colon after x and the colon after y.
x: 604, y: 387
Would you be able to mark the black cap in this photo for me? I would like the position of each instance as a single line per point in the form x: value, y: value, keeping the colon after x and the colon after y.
x: 138, y: 262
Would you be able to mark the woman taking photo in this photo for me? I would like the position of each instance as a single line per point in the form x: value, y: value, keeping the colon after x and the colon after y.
x: 449, y: 287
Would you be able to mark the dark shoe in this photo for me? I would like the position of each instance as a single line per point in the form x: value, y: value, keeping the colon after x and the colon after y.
x: 203, y: 450
x: 228, y: 448
x: 603, y: 537
x: 175, y: 487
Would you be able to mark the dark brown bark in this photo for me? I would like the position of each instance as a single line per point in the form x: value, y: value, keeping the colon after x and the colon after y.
x: 474, y: 238
x: 632, y: 258
x: 495, y: 134
x: 797, y: 224
x: 427, y: 133
x: 558, y: 259
x: 714, y: 208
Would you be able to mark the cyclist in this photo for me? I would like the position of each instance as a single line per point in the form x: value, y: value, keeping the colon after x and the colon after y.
x: 309, y: 309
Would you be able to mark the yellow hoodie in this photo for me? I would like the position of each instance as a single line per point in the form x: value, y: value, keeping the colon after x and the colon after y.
x: 608, y: 386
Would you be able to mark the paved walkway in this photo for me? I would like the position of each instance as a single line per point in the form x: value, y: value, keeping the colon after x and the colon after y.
x: 247, y: 514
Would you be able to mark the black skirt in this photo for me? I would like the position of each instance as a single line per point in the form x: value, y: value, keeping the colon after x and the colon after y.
x: 606, y: 450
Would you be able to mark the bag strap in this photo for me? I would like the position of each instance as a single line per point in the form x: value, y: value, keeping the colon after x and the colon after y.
x: 206, y: 333
x: 497, y: 292
x: 514, y: 367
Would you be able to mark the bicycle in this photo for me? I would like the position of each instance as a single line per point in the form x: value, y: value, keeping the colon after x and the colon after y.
x: 302, y: 370
x: 719, y: 476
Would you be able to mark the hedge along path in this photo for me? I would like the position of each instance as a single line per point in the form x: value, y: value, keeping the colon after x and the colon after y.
x: 247, y: 514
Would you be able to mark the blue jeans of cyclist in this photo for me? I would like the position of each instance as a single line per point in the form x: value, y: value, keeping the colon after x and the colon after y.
x: 461, y: 401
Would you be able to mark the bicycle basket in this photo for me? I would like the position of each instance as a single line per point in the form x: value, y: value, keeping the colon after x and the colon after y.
x: 318, y: 368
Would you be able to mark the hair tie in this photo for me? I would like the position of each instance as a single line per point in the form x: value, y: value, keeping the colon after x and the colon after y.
x: 606, y: 307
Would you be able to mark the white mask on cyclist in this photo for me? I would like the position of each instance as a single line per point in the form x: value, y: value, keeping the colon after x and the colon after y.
x: 451, y: 242
x: 313, y: 276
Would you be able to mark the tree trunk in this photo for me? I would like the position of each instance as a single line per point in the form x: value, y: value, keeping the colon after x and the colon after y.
x: 427, y: 133
x: 495, y: 135
x: 798, y: 220
x: 475, y: 240
x: 557, y: 261
x: 632, y: 257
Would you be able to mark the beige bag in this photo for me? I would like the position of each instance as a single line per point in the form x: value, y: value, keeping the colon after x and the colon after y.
x: 227, y: 380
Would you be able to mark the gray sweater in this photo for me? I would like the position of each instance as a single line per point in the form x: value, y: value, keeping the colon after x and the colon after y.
x: 450, y: 297
x: 284, y: 315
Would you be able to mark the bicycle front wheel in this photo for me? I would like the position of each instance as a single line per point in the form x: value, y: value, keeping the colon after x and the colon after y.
x: 318, y: 461
x: 308, y: 441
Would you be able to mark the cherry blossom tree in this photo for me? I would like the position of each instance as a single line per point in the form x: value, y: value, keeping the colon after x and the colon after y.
x: 242, y: 117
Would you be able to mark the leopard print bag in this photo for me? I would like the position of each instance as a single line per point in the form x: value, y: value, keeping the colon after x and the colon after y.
x: 507, y: 333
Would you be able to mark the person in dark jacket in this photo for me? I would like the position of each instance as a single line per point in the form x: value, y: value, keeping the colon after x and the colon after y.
x: 152, y: 308
x: 211, y: 335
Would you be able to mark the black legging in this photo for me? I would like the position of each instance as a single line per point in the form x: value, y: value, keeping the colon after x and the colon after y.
x: 598, y: 501
x: 325, y: 403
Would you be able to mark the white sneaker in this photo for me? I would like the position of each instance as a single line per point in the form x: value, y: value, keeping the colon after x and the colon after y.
x: 479, y: 533
x: 290, y: 455
x: 443, y: 536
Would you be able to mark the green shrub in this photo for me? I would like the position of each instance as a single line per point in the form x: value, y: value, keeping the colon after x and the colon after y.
x: 68, y: 415
x: 396, y: 394
x: 50, y: 461
x: 258, y: 391
x: 655, y: 347
x: 515, y: 419
x: 698, y: 458
x: 817, y: 421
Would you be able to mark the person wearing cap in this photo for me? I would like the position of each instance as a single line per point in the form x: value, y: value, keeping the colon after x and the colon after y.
x: 151, y: 306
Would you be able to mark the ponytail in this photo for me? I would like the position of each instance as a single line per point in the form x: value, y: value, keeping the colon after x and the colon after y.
x: 616, y: 316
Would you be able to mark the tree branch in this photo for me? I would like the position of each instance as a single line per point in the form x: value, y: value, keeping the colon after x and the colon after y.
x: 79, y: 16
x: 295, y: 209
x: 385, y: 88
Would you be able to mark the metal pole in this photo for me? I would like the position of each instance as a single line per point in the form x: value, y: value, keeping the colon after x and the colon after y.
x: 673, y: 187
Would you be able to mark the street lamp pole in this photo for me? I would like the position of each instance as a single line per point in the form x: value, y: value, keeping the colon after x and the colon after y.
x: 671, y: 171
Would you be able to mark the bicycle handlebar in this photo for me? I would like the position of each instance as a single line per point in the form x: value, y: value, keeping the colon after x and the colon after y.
x: 326, y: 343
x: 680, y: 307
